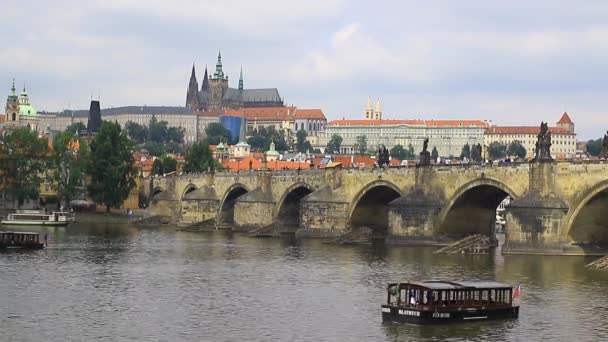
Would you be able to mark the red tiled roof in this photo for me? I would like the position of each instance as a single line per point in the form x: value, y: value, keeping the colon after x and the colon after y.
x: 565, y: 119
x: 525, y: 130
x: 243, y: 164
x: 427, y: 123
x: 280, y: 113
x: 309, y: 114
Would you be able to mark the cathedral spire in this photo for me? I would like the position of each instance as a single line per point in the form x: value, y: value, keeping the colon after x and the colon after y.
x: 219, y: 73
x: 205, y: 86
x: 241, y: 79
x: 193, y: 74
x: 13, y: 92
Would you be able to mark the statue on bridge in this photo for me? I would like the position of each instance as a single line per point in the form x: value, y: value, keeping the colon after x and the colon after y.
x: 543, y: 144
x: 604, y: 152
x: 425, y: 155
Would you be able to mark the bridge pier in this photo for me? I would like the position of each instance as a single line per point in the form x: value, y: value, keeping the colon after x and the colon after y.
x: 535, y: 221
x: 200, y: 205
x: 323, y: 213
x: 253, y: 210
x: 413, y: 218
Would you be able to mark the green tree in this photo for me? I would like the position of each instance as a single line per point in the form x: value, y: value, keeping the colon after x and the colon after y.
x: 497, y: 150
x: 169, y: 164
x: 216, y: 132
x: 401, y: 153
x: 476, y: 152
x: 466, y: 151
x: 24, y: 157
x: 256, y: 142
x: 594, y: 147
x: 516, y: 149
x: 157, y: 167
x: 333, y: 145
x: 157, y: 131
x: 138, y: 133
x: 175, y: 134
x: 398, y: 152
x: 200, y: 159
x: 301, y: 145
x: 360, y: 146
x: 112, y: 167
x: 76, y: 127
x: 154, y: 148
x: 434, y: 154
x: 68, y: 163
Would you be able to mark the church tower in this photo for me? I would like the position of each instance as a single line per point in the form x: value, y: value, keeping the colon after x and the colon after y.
x: 218, y: 84
x: 369, y: 111
x: 378, y: 111
x: 192, y: 100
x: 12, y: 105
x: 566, y: 123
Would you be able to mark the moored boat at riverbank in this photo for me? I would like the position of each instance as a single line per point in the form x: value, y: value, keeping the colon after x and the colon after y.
x: 38, y: 218
x: 436, y: 302
x: 20, y: 240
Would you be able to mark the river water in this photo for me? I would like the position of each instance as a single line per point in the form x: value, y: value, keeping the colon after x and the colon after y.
x: 122, y: 283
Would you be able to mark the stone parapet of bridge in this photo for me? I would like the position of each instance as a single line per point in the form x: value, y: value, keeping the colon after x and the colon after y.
x: 552, y: 202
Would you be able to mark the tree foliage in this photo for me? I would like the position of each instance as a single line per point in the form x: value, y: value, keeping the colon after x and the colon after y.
x: 516, y: 149
x: 68, y: 163
x: 76, y: 127
x: 401, y: 153
x: 112, y: 167
x: 333, y: 145
x: 199, y: 158
x: 476, y: 153
x: 497, y: 150
x: 24, y: 157
x: 594, y: 147
x: 216, y: 132
x: 360, y: 146
x: 154, y: 148
x: 302, y: 144
x: 138, y: 133
x: 466, y: 151
x: 262, y: 137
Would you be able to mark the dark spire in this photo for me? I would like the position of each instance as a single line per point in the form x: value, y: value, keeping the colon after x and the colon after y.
x: 192, y: 94
x: 205, y: 86
x: 193, y: 74
x: 219, y: 73
x: 241, y: 79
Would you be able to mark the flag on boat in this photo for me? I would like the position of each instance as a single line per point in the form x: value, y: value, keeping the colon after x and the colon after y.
x: 517, y: 291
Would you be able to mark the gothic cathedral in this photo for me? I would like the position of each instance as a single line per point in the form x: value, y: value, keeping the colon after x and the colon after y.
x: 215, y: 93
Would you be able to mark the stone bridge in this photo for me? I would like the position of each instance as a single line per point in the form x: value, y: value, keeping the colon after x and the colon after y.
x: 557, y: 207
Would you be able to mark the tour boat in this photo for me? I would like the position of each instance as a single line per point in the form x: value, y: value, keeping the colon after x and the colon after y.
x: 20, y: 240
x: 433, y: 302
x: 38, y: 218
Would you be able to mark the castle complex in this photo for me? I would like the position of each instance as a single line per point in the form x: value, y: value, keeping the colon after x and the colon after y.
x: 215, y: 93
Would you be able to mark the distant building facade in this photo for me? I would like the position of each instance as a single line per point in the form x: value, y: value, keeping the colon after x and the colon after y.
x: 448, y: 136
x: 215, y: 93
x: 563, y: 137
x: 194, y: 124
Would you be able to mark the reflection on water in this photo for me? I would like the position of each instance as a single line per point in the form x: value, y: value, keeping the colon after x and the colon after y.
x: 113, y: 283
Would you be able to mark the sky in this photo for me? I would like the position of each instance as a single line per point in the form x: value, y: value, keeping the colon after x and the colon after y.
x: 510, y: 62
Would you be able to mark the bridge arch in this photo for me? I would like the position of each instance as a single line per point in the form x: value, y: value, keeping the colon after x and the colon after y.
x: 155, y: 191
x: 188, y: 189
x: 287, y: 210
x: 587, y: 220
x: 369, y: 207
x: 226, y: 207
x: 472, y: 208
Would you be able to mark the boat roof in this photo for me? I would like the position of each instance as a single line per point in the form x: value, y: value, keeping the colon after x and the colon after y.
x: 460, y: 284
x: 22, y: 233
